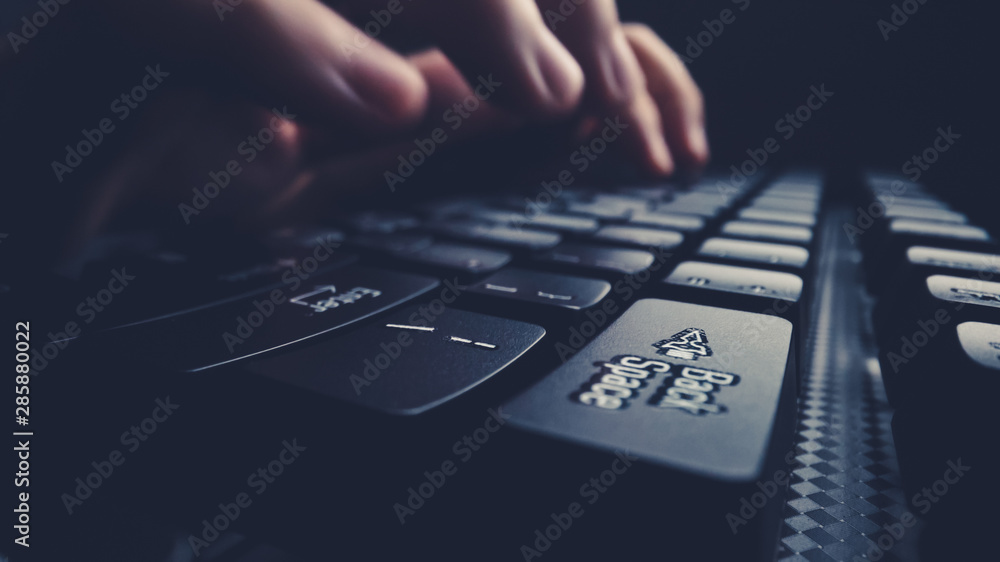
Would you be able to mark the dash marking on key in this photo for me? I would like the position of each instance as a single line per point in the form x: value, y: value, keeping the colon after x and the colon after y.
x: 501, y: 288
x: 405, y: 327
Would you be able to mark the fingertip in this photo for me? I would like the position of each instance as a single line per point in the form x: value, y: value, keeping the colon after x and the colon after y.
x: 659, y: 160
x: 697, y: 146
x: 621, y: 77
x: 649, y: 137
x: 394, y: 90
x: 558, y: 88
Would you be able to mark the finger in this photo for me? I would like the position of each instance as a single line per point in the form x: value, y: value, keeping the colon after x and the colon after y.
x: 461, y: 109
x: 677, y: 97
x: 337, y: 171
x: 592, y: 33
x: 295, y: 53
x: 506, y: 39
x: 185, y: 141
x: 645, y: 135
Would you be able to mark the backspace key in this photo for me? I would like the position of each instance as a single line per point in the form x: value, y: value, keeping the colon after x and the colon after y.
x: 696, y: 403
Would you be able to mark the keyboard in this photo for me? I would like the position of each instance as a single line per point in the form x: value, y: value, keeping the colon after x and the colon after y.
x: 793, y: 366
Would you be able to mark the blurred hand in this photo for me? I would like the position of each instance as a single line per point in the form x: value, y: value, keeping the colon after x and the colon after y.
x: 354, y: 105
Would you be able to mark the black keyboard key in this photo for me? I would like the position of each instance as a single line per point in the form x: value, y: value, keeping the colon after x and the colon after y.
x: 673, y: 221
x: 621, y: 200
x: 600, y: 258
x: 303, y: 238
x: 693, y: 388
x: 561, y: 291
x: 708, y: 198
x: 165, y: 283
x: 964, y: 290
x: 289, y: 314
x: 599, y: 210
x: 707, y: 210
x: 756, y: 252
x: 885, y: 249
x: 392, y: 243
x: 740, y: 280
x: 930, y: 229
x: 981, y: 343
x: 915, y: 329
x: 927, y: 201
x: 405, y: 364
x: 697, y: 396
x: 383, y: 221
x: 958, y: 260
x: 544, y: 221
x: 460, y: 258
x: 499, y: 235
x: 917, y: 212
x: 445, y: 258
x: 779, y: 216
x: 641, y: 237
x: 649, y: 193
x: 742, y: 288
x: 704, y: 203
x: 940, y: 348
x: 781, y: 203
x: 768, y: 231
x: 920, y: 262
x: 797, y: 190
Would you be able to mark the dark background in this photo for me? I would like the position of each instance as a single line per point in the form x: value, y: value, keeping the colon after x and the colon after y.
x: 890, y: 97
x: 937, y: 70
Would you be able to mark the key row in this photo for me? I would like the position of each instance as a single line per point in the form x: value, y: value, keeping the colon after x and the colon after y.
x: 936, y: 279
